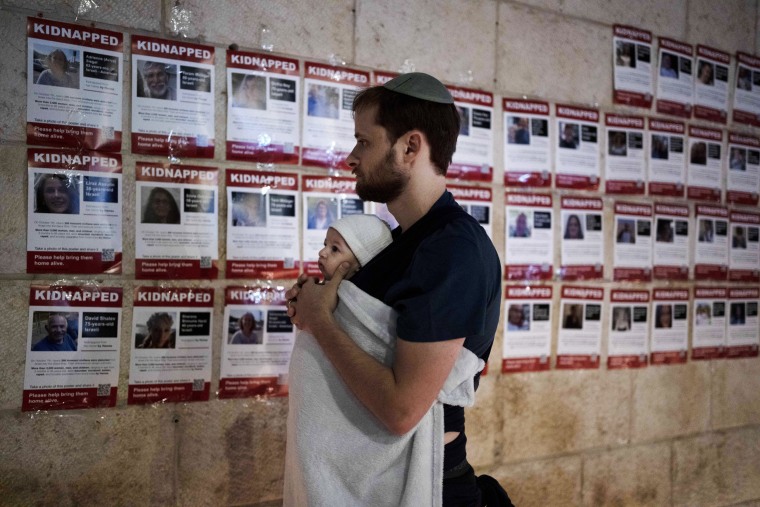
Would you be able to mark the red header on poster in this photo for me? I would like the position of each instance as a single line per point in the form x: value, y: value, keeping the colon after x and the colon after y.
x: 243, y: 295
x: 536, y: 200
x: 577, y: 113
x: 341, y: 75
x: 470, y: 193
x: 628, y: 122
x: 51, y: 158
x: 66, y: 295
x: 262, y: 62
x: 710, y: 293
x: 169, y: 173
x: 576, y: 292
x: 631, y: 208
x: 528, y: 292
x: 261, y: 179
x: 57, y: 31
x: 670, y: 295
x: 175, y: 50
x: 332, y: 184
x: 174, y: 296
x: 633, y: 33
x: 526, y: 106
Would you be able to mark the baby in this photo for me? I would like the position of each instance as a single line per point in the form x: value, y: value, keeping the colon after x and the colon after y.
x: 355, y: 239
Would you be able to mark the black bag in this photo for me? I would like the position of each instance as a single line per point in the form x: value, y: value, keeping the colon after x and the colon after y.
x: 493, y: 494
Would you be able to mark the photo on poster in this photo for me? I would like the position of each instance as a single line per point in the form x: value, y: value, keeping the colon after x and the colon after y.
x: 626, y: 231
x: 245, y: 327
x: 55, y: 331
x: 464, y: 120
x: 573, y: 227
x: 323, y: 101
x: 744, y: 78
x: 698, y: 153
x: 669, y: 65
x: 54, y: 65
x: 625, y: 54
x: 572, y: 316
x: 705, y: 72
x: 520, y: 223
x: 569, y: 135
x: 250, y: 91
x: 321, y: 212
x: 703, y: 314
x: 159, y: 205
x: 617, y: 143
x: 156, y: 80
x: 664, y: 230
x: 621, y: 318
x: 738, y: 314
x: 518, y: 131
x: 706, y: 231
x: 248, y: 209
x: 739, y: 237
x: 157, y: 330
x: 518, y: 317
x: 738, y: 159
x: 660, y: 146
x: 663, y: 316
x: 56, y: 193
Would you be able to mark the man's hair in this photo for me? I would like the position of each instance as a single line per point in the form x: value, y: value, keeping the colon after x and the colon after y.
x: 398, y: 114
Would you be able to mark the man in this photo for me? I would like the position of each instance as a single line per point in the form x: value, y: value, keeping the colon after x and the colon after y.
x: 57, y: 339
x: 441, y: 273
x: 157, y: 81
x: 568, y: 138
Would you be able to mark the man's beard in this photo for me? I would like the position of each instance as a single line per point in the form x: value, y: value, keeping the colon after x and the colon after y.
x: 385, y: 183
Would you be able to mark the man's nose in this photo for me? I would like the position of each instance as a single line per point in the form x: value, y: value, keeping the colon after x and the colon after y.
x: 351, y: 160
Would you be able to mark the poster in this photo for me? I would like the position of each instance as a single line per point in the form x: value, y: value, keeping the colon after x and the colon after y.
x: 743, y: 177
x: 667, y: 162
x: 625, y: 172
x: 527, y: 144
x: 675, y: 81
x: 582, y: 236
x: 632, y: 64
x: 172, y: 98
x: 747, y: 90
x: 671, y: 253
x: 172, y: 334
x: 263, y: 240
x: 633, y: 242
x: 743, y: 336
x: 709, y: 327
x: 325, y: 199
x: 711, y: 248
x: 528, y: 330
x: 74, y: 212
x: 744, y: 247
x: 473, y: 158
x: 580, y: 328
x: 670, y: 326
x: 176, y: 233
x: 263, y: 108
x: 380, y: 77
x: 529, y: 251
x: 72, y: 348
x: 704, y: 177
x: 711, y: 85
x: 328, y: 122
x: 74, y: 85
x: 477, y: 202
x: 577, y: 153
x: 628, y: 337
x: 257, y: 341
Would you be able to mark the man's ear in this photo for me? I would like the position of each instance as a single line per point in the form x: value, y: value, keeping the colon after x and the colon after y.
x: 412, y: 144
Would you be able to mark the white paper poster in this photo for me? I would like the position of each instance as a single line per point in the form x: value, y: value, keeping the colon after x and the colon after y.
x: 529, y: 234
x: 172, y: 98
x: 527, y: 144
x: 632, y: 61
x: 743, y: 177
x: 743, y: 336
x: 675, y: 81
x: 628, y: 336
x: 580, y: 328
x: 582, y: 236
x: 667, y: 162
x: 709, y: 326
x: 74, y: 212
x: 671, y: 254
x: 577, y: 153
x: 744, y: 247
x: 528, y: 329
x: 633, y: 242
x: 711, y: 250
x: 176, y: 221
x: 747, y: 90
x: 72, y: 349
x: 711, y: 85
x: 473, y: 159
x: 74, y: 87
x: 172, y: 334
x: 625, y: 171
x: 670, y: 326
x: 477, y: 202
x: 705, y: 175
x: 263, y: 239
x: 257, y: 341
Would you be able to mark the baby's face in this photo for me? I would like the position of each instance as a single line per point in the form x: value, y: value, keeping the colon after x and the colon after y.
x: 334, y: 253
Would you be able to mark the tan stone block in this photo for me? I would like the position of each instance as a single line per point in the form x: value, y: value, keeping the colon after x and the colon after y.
x: 541, y: 483
x: 634, y: 476
x: 563, y: 411
x: 444, y: 38
x: 13, y: 209
x: 728, y: 27
x: 670, y: 401
x: 143, y: 14
x: 89, y: 457
x: 736, y: 393
x: 13, y: 77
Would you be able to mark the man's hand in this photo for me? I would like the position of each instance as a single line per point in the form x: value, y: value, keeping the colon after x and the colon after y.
x: 313, y: 303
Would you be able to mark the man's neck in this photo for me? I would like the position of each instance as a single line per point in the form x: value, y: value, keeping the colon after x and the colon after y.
x: 417, y: 199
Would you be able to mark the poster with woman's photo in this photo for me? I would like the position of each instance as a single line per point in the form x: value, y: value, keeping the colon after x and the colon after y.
x: 172, y: 98
x: 743, y: 176
x: 328, y: 122
x: 711, y: 85
x: 72, y: 358
x: 625, y: 172
x: 579, y: 340
x: 709, y: 323
x: 632, y: 237
x: 675, y: 81
x: 172, y: 330
x: 669, y: 343
x: 744, y: 247
x: 671, y: 252
x: 632, y: 64
x: 743, y: 334
x: 628, y: 333
x: 473, y: 159
x: 477, y: 202
x: 74, y: 85
x: 74, y: 212
x: 582, y: 238
x: 263, y: 239
x: 746, y: 108
x: 667, y: 162
x: 529, y: 235
x: 528, y: 143
x: 528, y: 329
x: 263, y: 108
x: 704, y: 181
x: 176, y: 217
x: 325, y: 199
x: 577, y: 151
x: 257, y: 341
x: 711, y: 247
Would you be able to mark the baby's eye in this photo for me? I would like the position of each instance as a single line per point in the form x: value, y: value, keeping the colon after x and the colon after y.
x: 335, y: 249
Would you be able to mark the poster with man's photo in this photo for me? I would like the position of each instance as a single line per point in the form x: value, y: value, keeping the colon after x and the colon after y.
x: 671, y: 253
x: 473, y: 159
x: 172, y: 98
x: 743, y: 335
x: 711, y: 247
x: 743, y: 176
x: 711, y: 85
x: 528, y: 143
x: 628, y: 334
x: 667, y: 162
x: 582, y: 238
x: 632, y: 237
x: 171, y: 340
x: 263, y: 108
x: 176, y: 217
x: 625, y: 172
x: 704, y: 181
x: 263, y: 239
x: 477, y: 202
x: 670, y: 326
x: 529, y: 236
x: 577, y: 149
x: 74, y: 212
x: 74, y: 85
x: 746, y: 108
x: 632, y: 64
x: 675, y: 78
x: 744, y: 247
x: 528, y: 330
x: 72, y: 347
x: 709, y: 323
x: 257, y: 341
x: 579, y: 340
